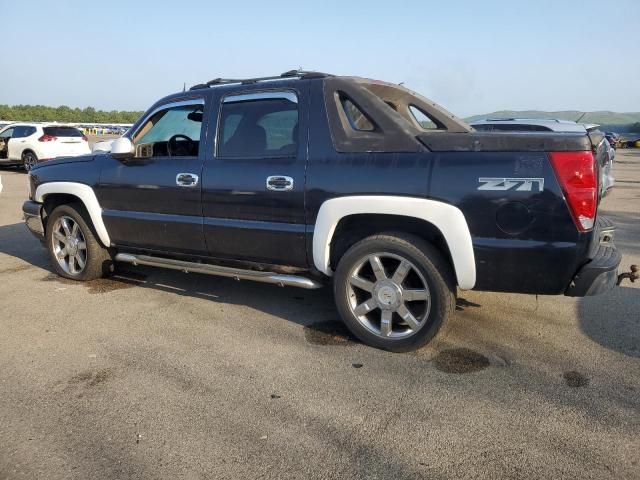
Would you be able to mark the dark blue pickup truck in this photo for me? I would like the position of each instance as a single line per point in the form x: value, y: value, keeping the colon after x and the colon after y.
x: 306, y: 179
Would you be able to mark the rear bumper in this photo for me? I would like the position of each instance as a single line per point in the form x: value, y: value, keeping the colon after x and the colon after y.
x: 600, y: 274
x: 32, y: 212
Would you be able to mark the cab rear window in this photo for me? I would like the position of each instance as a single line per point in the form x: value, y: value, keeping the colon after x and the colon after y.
x: 62, y: 132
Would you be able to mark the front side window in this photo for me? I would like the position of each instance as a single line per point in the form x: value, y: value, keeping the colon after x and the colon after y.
x: 259, y: 125
x: 8, y: 133
x: 171, y: 132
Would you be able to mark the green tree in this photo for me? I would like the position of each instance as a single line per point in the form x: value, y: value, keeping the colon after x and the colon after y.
x: 63, y: 113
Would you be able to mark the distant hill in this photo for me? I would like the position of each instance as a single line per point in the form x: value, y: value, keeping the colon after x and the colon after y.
x: 603, y: 117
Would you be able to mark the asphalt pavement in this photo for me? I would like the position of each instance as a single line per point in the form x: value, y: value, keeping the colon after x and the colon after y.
x: 159, y: 374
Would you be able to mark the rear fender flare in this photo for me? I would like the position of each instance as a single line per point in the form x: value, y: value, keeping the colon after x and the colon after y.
x: 447, y: 218
x: 88, y: 197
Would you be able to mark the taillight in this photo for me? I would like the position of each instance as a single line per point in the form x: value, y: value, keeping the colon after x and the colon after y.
x: 576, y: 173
x: 47, y: 138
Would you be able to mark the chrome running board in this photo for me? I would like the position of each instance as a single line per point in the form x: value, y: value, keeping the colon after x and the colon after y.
x: 235, y: 273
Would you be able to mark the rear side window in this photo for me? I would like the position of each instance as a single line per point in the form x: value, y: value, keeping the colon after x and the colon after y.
x: 357, y: 119
x: 62, y: 132
x: 258, y: 125
x: 23, y: 131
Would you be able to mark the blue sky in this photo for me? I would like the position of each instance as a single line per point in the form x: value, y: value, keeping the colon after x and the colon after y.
x: 470, y: 56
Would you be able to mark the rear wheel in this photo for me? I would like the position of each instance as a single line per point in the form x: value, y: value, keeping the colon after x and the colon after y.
x: 394, y: 291
x: 29, y: 160
x: 74, y: 250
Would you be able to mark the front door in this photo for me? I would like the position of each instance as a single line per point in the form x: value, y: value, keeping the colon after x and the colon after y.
x: 153, y: 201
x: 254, y: 182
x: 5, y: 140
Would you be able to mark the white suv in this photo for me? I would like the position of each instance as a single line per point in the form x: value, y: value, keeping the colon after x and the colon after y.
x: 29, y: 143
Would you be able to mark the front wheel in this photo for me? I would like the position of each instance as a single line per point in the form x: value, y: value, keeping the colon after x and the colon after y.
x: 29, y: 160
x: 394, y: 291
x: 74, y: 250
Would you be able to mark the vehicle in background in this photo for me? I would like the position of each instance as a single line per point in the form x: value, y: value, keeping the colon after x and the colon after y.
x: 612, y: 138
x: 635, y: 143
x: 306, y: 179
x: 598, y: 138
x: 26, y: 144
x: 608, y: 180
x: 103, y: 146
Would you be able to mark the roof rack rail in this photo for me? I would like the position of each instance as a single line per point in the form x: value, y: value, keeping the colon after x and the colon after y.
x: 302, y: 74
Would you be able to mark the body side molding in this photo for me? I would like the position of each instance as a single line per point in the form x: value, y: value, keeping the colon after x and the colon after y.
x: 447, y: 218
x: 88, y: 197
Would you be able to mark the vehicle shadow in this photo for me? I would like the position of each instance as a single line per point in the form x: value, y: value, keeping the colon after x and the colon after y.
x: 305, y: 307
x: 613, y: 319
x: 17, y: 241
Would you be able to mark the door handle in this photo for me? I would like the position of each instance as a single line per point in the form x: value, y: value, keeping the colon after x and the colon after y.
x: 279, y: 183
x: 186, y: 179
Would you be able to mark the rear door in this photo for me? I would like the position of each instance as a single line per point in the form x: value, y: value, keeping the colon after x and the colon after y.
x: 153, y: 201
x: 5, y: 140
x: 254, y: 178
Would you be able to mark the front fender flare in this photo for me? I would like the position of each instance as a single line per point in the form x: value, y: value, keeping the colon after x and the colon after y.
x: 447, y: 218
x: 88, y: 197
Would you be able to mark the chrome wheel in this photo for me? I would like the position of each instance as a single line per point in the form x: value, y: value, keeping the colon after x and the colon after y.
x: 69, y: 246
x: 388, y: 295
x: 29, y: 161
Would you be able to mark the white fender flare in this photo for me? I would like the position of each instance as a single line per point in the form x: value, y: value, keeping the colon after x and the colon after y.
x: 86, y: 194
x: 447, y: 218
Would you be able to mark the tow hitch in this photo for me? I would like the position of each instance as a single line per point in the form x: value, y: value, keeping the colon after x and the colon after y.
x: 632, y: 275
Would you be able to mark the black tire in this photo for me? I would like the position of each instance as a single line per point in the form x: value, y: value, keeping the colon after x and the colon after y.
x: 97, y: 260
x: 426, y: 260
x: 29, y: 160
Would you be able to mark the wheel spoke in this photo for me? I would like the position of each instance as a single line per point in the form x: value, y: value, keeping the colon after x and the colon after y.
x: 408, y: 317
x: 62, y: 253
x: 361, y: 283
x: 401, y: 272
x: 60, y: 237
x: 72, y: 264
x: 80, y: 261
x: 386, y: 323
x: 415, y: 295
x: 74, y: 230
x: 82, y: 246
x: 378, y: 269
x: 65, y: 226
x: 365, y: 307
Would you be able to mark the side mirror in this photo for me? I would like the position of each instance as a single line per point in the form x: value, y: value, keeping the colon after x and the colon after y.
x: 122, y: 148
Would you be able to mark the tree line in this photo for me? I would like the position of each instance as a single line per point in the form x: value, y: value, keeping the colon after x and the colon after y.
x: 42, y: 113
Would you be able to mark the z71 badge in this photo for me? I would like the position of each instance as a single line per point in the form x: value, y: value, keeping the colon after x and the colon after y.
x: 517, y: 184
